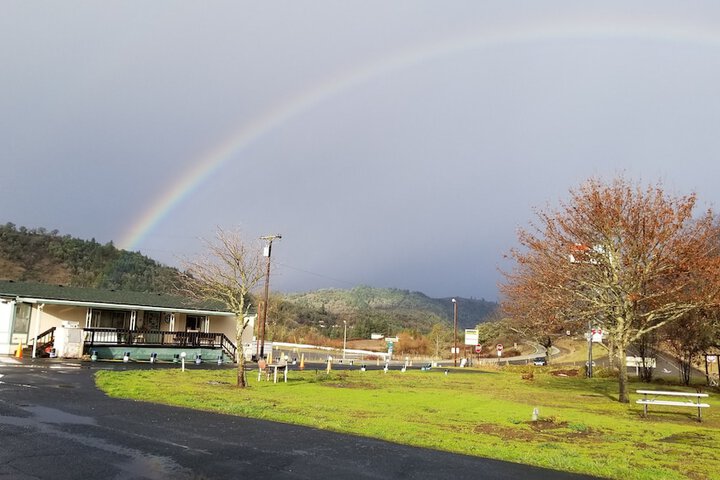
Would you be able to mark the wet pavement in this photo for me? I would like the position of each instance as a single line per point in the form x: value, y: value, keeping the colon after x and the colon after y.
x: 54, y: 424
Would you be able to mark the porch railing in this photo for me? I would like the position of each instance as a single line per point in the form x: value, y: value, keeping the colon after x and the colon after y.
x: 45, y: 339
x: 158, y: 338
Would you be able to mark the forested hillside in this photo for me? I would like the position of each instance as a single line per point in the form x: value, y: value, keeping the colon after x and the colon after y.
x: 46, y: 256
x: 371, y: 310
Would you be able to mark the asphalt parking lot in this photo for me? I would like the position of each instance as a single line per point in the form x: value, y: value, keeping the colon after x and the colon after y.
x: 54, y: 424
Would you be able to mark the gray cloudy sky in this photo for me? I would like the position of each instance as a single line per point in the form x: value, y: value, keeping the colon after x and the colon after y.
x: 393, y: 144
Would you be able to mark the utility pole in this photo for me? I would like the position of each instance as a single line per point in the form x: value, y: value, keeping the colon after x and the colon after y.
x: 455, y: 349
x: 589, y: 369
x: 344, y: 340
x: 261, y: 329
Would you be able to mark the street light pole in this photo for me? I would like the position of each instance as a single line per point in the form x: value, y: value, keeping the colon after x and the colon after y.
x: 454, y: 331
x: 344, y: 340
x: 261, y: 332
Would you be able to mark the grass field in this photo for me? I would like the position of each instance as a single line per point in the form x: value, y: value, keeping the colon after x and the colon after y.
x: 581, y: 426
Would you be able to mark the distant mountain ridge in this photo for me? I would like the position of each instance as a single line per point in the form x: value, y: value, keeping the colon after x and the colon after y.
x: 403, y: 303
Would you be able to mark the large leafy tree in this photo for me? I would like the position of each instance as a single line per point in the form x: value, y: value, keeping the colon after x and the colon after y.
x: 627, y: 257
x: 227, y: 272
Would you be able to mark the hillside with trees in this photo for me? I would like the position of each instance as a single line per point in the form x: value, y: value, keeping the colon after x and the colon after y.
x: 387, y: 311
x: 45, y: 256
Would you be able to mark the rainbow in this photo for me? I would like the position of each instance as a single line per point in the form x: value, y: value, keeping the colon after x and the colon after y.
x: 340, y: 83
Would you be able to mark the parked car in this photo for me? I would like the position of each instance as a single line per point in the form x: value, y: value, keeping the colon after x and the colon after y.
x: 539, y: 361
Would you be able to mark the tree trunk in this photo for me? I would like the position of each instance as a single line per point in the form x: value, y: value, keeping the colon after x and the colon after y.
x: 623, y: 378
x: 685, y: 363
x: 241, y: 373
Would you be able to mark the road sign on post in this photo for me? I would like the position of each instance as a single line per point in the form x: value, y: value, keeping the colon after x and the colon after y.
x: 471, y: 336
x: 499, y: 349
x: 478, y: 348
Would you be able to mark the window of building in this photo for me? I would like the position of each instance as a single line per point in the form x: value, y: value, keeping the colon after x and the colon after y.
x: 23, y: 311
x: 110, y: 319
x: 194, y: 322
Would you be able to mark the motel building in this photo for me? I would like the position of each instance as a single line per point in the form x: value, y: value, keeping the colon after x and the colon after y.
x: 72, y: 322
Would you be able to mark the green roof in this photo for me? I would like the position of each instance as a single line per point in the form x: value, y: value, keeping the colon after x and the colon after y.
x: 49, y: 293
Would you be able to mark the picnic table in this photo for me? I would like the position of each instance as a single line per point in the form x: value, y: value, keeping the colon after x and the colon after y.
x: 650, y: 397
x: 274, y: 367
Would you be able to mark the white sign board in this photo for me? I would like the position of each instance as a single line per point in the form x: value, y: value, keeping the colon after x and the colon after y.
x: 638, y: 362
x: 471, y: 336
x: 597, y: 335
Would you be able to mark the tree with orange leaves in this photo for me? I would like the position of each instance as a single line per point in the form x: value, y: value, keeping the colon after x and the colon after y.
x: 626, y: 257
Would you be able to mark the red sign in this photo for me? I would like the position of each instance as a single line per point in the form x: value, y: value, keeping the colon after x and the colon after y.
x: 478, y: 348
x: 499, y: 347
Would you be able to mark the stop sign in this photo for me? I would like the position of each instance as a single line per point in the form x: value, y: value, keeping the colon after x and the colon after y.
x: 499, y: 347
x: 478, y: 348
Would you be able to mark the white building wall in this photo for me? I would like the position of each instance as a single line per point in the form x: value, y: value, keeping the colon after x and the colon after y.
x: 7, y: 309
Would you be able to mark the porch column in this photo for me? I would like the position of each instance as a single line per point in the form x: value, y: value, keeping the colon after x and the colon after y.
x: 207, y: 323
x: 88, y: 318
x: 133, y: 319
x: 172, y: 322
x: 37, y: 327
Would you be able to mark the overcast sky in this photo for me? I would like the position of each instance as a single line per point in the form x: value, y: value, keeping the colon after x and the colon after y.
x: 391, y: 143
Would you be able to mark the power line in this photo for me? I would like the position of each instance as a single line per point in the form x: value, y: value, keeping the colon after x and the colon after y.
x: 318, y: 274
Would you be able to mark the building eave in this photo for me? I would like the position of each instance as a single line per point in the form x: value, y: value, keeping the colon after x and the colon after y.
x: 121, y: 306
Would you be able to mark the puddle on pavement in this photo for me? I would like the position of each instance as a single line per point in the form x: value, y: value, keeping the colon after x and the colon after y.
x: 153, y: 467
x: 53, y: 415
x: 136, y: 464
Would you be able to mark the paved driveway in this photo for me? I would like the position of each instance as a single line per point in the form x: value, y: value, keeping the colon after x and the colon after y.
x: 54, y: 424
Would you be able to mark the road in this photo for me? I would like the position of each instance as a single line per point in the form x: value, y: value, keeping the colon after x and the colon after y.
x: 54, y: 424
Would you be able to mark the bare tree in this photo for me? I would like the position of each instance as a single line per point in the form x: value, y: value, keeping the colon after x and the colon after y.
x: 227, y: 272
x: 631, y: 259
x: 440, y: 337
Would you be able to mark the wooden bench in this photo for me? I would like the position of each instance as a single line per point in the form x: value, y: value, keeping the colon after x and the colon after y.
x: 650, y: 398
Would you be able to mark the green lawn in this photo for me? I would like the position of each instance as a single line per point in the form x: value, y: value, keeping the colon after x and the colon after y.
x: 581, y: 428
